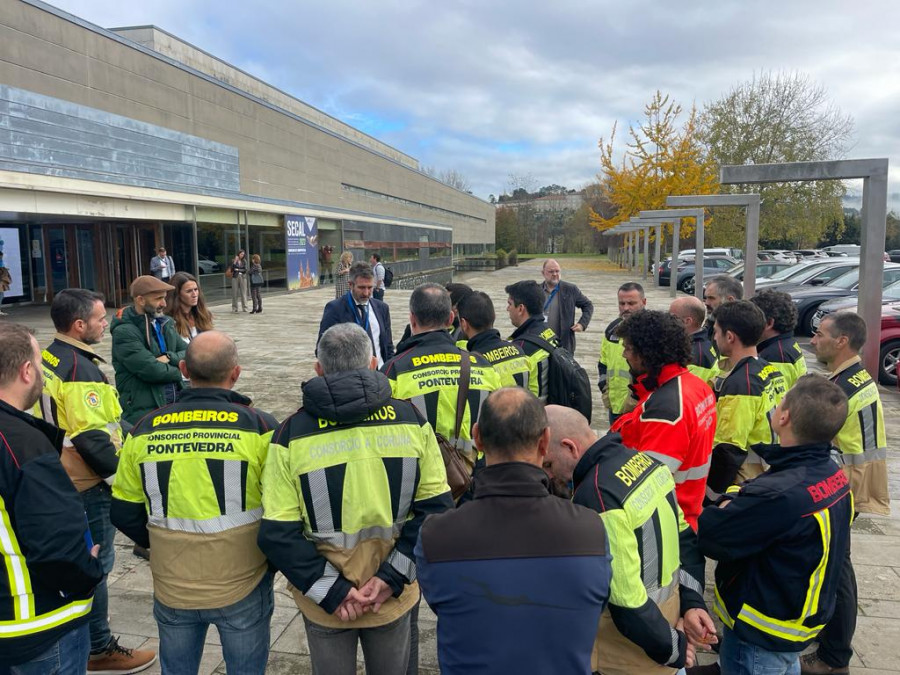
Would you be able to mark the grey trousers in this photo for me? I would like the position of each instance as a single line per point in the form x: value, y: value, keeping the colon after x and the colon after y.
x: 239, y: 290
x: 332, y: 651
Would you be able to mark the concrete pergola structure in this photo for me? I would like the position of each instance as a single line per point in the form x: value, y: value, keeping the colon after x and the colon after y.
x: 657, y: 224
x: 699, y: 214
x: 874, y: 174
x: 630, y: 231
x: 751, y: 203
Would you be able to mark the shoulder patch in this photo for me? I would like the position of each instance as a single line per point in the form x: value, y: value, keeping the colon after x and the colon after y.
x: 665, y: 404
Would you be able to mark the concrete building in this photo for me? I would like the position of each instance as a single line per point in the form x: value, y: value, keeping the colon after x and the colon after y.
x: 114, y: 142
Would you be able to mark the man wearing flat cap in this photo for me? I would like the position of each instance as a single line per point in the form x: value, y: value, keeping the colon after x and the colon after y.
x: 146, y: 350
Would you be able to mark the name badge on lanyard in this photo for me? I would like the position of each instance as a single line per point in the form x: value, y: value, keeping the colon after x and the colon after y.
x: 550, y: 299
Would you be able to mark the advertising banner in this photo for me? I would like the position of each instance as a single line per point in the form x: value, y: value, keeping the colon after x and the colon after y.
x: 12, y: 260
x: 301, y: 239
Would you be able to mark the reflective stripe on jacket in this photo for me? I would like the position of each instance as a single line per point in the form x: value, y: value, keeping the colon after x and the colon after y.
x: 780, y: 546
x: 675, y: 423
x: 79, y: 399
x: 426, y: 371
x: 615, y: 375
x: 47, y: 574
x: 510, y: 362
x: 862, y: 440
x: 654, y: 557
x: 538, y: 358
x: 783, y: 352
x: 348, y: 482
x: 189, y: 477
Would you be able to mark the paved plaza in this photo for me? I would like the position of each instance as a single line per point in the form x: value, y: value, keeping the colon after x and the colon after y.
x: 277, y: 353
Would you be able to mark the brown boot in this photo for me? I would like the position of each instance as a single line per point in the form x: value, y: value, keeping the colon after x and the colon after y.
x: 811, y: 664
x: 118, y: 660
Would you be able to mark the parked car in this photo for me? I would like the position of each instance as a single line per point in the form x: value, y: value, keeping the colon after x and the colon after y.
x: 849, y: 249
x: 778, y: 254
x: 810, y: 254
x: 889, y: 355
x: 808, y: 298
x: 809, y: 273
x: 208, y: 266
x: 889, y: 295
x: 894, y: 255
x: 736, y: 253
x: 684, y: 281
x: 764, y: 268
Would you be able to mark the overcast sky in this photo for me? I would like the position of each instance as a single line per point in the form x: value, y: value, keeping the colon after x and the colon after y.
x: 528, y: 88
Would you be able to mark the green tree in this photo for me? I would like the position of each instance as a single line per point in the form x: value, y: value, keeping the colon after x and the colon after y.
x: 777, y: 118
x: 507, y: 228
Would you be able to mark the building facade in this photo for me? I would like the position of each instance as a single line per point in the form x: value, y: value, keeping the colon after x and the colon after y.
x: 115, y: 142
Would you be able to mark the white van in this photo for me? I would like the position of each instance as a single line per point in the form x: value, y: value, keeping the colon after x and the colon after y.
x: 735, y: 253
x: 851, y: 250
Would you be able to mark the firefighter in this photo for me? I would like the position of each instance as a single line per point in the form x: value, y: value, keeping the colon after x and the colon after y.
x: 675, y: 417
x: 188, y: 487
x: 615, y: 377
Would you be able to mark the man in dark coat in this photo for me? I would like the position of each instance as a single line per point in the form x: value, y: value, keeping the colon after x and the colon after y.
x: 146, y: 350
x: 359, y: 307
x: 560, y: 300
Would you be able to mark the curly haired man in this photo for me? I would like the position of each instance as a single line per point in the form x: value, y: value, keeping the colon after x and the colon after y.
x: 675, y: 418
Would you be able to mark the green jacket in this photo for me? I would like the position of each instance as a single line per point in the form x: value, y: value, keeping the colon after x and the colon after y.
x: 140, y: 378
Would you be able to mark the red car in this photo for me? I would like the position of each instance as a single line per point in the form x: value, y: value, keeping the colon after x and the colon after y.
x: 889, y: 356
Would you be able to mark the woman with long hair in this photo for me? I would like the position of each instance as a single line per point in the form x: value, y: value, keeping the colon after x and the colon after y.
x: 187, y: 307
x: 239, y: 281
x: 342, y: 274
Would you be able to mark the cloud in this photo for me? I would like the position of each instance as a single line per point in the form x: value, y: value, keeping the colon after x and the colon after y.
x: 491, y: 88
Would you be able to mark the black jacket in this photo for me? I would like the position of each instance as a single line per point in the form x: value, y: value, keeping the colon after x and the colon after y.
x: 569, y: 297
x: 343, y: 310
x: 518, y: 578
x: 776, y: 580
x: 43, y: 520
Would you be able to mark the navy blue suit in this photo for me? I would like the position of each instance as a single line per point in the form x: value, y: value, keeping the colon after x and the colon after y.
x: 340, y: 310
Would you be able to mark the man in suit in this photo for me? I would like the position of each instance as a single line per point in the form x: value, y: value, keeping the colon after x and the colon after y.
x: 161, y: 265
x: 358, y: 306
x: 560, y: 300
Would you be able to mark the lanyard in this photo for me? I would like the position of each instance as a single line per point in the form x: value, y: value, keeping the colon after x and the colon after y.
x: 159, y: 337
x: 353, y: 310
x: 550, y: 299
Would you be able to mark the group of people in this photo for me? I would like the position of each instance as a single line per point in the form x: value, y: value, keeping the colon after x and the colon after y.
x: 715, y: 451
x: 244, y: 276
x: 341, y: 275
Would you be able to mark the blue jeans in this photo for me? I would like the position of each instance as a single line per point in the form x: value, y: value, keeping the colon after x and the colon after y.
x: 96, y: 502
x: 737, y: 657
x: 243, y: 628
x: 332, y: 651
x: 68, y: 656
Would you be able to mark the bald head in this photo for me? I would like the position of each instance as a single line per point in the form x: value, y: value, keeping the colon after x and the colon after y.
x: 512, y: 427
x: 691, y: 311
x: 551, y: 272
x: 211, y: 361
x: 570, y: 437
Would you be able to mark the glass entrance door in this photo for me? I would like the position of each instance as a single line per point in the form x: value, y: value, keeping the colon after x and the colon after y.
x: 125, y: 263
x: 58, y: 258
x: 87, y: 257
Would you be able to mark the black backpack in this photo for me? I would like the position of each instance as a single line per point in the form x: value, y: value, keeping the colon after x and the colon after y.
x: 568, y: 384
x: 388, y: 276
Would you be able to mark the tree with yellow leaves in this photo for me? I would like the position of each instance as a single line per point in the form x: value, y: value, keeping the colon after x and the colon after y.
x: 661, y: 159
